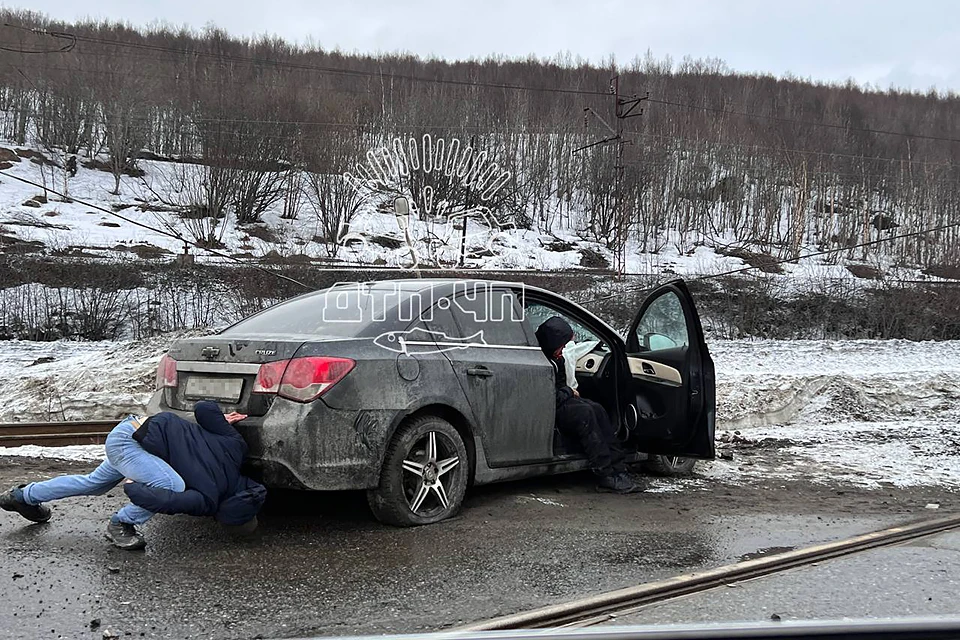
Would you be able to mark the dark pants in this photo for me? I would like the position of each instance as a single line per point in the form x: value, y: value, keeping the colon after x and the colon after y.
x: 587, y: 422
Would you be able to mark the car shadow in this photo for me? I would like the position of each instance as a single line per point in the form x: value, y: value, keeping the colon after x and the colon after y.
x: 350, y: 508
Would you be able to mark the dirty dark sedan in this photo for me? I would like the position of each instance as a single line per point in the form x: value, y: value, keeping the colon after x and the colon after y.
x: 414, y: 390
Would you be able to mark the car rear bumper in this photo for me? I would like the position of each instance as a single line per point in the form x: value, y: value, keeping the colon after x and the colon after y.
x: 311, y: 446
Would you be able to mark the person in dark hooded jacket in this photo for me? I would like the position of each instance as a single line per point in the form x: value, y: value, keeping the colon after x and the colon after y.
x: 207, y: 455
x: 171, y: 465
x: 585, y: 420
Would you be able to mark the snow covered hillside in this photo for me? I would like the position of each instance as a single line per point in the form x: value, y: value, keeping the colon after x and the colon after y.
x: 32, y: 223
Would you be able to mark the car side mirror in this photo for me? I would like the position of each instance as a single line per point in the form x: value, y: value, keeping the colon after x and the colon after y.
x: 658, y: 342
x: 401, y: 208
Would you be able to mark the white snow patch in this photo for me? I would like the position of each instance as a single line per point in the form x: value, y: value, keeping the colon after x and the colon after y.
x: 673, y: 485
x: 546, y: 501
x: 82, y: 453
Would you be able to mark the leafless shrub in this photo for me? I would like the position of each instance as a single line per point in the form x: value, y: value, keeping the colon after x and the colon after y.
x: 336, y: 201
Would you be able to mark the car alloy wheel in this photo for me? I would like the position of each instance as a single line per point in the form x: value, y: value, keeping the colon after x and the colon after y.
x: 664, y: 465
x: 427, y: 466
x: 424, y: 476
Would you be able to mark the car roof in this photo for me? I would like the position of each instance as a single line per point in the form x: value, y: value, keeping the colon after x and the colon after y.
x: 420, y: 284
x: 447, y: 286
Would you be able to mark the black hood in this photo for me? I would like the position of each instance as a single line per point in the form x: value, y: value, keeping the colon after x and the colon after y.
x: 553, y: 334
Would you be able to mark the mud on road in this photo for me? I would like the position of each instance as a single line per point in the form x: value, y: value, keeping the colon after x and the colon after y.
x: 320, y: 564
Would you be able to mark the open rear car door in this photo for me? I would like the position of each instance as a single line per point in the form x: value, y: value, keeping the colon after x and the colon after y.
x: 671, y: 381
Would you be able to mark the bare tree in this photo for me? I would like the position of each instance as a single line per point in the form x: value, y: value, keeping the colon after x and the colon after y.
x: 125, y: 123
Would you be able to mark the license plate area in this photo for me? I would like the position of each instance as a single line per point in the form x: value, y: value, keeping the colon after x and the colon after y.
x: 212, y: 388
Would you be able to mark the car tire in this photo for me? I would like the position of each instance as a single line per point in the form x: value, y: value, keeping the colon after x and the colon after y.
x: 660, y: 465
x: 424, y: 476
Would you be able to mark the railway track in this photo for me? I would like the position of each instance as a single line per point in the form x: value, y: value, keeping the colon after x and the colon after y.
x: 54, y: 434
x: 604, y: 607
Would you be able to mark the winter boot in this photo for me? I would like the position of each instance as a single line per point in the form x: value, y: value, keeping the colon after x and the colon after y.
x: 13, y: 501
x: 618, y: 483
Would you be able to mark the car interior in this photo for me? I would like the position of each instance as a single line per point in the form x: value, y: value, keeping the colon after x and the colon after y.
x: 594, y: 373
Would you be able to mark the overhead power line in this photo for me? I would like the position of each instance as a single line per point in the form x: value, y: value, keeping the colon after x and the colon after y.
x: 68, y: 45
x: 385, y: 75
x: 826, y: 252
x: 494, y: 85
x: 192, y: 119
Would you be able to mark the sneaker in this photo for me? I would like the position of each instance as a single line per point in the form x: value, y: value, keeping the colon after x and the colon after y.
x: 125, y: 536
x: 619, y: 483
x: 13, y: 501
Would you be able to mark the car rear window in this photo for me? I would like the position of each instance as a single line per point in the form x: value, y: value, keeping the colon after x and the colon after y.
x: 340, y: 312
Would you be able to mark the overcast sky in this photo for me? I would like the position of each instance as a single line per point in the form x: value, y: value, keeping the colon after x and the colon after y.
x: 913, y: 44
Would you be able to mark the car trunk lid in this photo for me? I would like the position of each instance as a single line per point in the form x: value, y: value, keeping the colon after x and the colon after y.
x: 224, y: 369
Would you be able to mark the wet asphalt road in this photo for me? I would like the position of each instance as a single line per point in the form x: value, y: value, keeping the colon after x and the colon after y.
x: 920, y: 578
x: 320, y: 565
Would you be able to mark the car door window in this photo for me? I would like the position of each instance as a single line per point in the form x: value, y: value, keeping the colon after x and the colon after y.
x: 492, y: 311
x: 536, y: 314
x: 663, y: 325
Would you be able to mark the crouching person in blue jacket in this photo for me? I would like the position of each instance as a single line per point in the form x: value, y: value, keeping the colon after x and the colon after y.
x: 171, y: 466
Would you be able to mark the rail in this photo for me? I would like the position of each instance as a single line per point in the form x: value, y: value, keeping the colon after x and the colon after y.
x: 54, y: 434
x: 604, y: 607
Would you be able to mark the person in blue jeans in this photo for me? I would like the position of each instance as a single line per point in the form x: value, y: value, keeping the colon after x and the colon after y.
x: 169, y: 465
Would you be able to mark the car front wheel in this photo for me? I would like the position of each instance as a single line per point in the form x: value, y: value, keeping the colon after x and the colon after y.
x: 424, y: 475
x: 669, y: 465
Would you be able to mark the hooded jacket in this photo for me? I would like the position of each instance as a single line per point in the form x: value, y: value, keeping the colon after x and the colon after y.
x: 554, y: 333
x: 207, y: 455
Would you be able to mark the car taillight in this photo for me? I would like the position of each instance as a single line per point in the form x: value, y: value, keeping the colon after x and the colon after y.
x: 167, y: 372
x: 269, y: 376
x: 306, y: 379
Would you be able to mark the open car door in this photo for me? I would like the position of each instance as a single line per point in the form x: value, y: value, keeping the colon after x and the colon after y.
x: 671, y: 382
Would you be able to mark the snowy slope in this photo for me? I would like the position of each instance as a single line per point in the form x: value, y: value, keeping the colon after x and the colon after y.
x: 62, y: 225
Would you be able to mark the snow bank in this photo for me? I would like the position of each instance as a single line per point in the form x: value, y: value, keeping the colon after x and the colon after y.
x: 872, y: 413
x: 77, y: 381
x: 767, y: 382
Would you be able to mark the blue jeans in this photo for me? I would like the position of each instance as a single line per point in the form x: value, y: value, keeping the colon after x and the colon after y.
x: 125, y: 459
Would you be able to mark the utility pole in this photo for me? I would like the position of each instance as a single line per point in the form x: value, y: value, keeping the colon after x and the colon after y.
x: 463, y: 235
x: 624, y: 108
